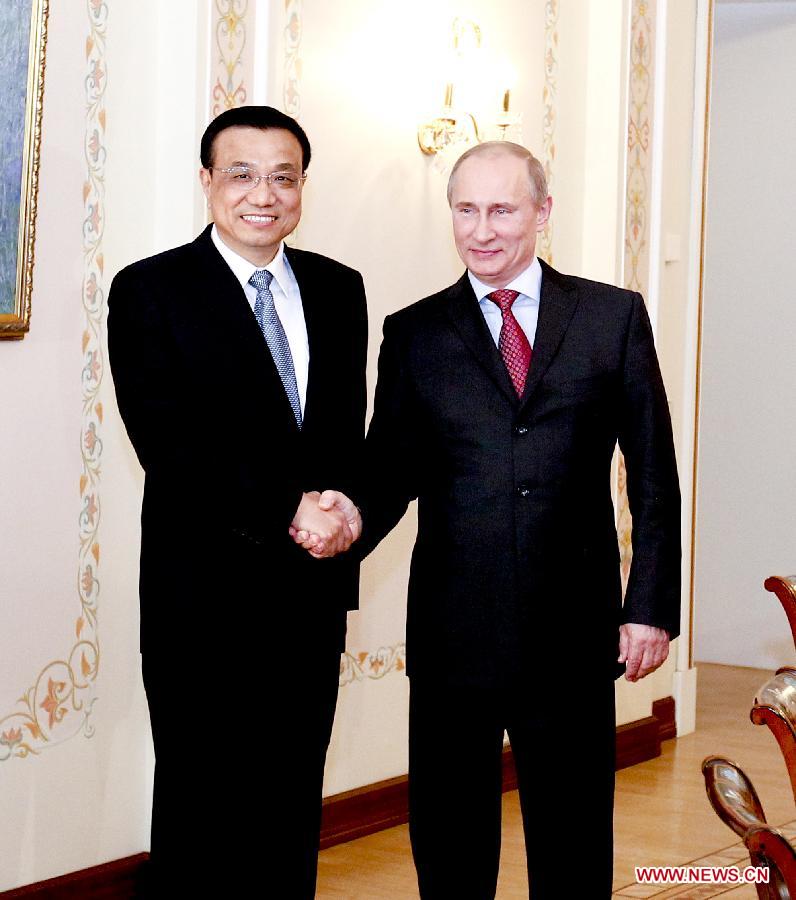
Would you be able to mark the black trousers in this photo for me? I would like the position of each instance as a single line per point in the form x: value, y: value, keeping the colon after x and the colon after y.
x: 240, y: 734
x: 564, y: 751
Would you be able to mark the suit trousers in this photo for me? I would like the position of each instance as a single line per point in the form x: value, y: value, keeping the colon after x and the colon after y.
x: 240, y: 738
x: 564, y: 752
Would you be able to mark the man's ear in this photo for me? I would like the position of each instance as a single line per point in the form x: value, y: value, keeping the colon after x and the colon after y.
x: 543, y: 214
x: 204, y: 180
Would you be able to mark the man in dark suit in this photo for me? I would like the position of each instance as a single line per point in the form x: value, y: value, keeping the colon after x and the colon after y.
x: 499, y: 403
x: 239, y: 367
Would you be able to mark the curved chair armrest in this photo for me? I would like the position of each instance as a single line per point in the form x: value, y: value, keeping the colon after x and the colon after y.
x: 779, y: 692
x: 782, y: 730
x: 732, y: 795
x: 775, y: 707
x: 784, y: 586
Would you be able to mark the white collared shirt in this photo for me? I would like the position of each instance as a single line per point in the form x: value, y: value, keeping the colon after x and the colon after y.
x: 287, y: 300
x: 525, y: 307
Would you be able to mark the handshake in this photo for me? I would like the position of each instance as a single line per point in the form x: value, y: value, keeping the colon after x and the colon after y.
x: 326, y: 524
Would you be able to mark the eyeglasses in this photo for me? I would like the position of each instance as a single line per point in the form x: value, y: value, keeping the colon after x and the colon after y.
x: 244, y: 179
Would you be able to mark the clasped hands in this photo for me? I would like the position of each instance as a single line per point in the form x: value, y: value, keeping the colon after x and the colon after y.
x: 326, y: 524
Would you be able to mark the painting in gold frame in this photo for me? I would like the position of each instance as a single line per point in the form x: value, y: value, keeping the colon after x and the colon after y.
x: 23, y: 39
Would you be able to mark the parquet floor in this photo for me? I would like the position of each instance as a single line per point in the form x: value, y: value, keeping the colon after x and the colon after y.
x: 662, y: 815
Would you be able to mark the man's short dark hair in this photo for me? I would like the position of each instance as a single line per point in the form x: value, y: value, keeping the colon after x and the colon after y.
x: 262, y: 117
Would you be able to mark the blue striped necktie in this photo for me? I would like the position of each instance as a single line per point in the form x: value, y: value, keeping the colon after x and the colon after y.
x: 275, y: 337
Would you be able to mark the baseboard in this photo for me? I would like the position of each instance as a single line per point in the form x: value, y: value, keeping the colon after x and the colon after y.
x: 370, y: 808
x: 637, y: 741
x: 110, y: 881
x: 641, y: 740
x: 665, y: 712
x: 350, y: 815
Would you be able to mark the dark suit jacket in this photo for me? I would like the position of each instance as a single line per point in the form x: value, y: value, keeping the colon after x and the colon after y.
x: 224, y: 460
x: 515, y: 567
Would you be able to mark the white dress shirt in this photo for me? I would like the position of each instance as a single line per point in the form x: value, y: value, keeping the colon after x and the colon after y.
x: 287, y: 300
x: 525, y: 307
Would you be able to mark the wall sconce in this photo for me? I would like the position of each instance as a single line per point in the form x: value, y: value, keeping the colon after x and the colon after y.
x: 453, y: 130
x: 449, y: 127
x: 508, y: 124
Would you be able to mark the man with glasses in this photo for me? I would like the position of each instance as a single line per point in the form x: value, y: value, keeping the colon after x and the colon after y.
x: 239, y: 367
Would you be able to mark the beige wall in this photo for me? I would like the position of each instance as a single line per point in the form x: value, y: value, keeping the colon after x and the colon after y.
x: 373, y: 201
x: 80, y: 799
x: 747, y: 478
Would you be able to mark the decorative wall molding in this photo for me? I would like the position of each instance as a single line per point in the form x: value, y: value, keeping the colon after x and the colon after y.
x: 291, y: 79
x: 58, y: 704
x: 372, y: 665
x: 92, y: 342
x: 229, y: 31
x: 550, y: 115
x: 639, y: 143
x: 638, y: 177
x: 291, y: 84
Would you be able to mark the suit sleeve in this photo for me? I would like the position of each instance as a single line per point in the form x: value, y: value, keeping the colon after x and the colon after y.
x: 645, y: 438
x: 179, y: 438
x: 391, y: 465
x: 340, y: 464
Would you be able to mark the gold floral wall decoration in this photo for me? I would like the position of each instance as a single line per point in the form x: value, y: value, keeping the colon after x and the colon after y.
x: 639, y: 138
x: 229, y: 90
x: 291, y: 97
x: 59, y: 703
x: 549, y: 115
x: 366, y: 665
x: 639, y: 167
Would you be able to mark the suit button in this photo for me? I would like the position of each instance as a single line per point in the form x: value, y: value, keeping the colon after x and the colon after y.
x: 523, y: 491
x: 520, y: 429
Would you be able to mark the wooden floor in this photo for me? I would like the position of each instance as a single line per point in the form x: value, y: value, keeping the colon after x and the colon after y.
x: 662, y: 814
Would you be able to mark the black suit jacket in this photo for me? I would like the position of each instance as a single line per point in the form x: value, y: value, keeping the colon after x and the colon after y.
x: 225, y: 462
x: 515, y: 568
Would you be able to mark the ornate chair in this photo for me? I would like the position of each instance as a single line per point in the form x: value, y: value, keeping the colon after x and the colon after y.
x: 735, y: 801
x: 775, y: 706
x: 784, y: 586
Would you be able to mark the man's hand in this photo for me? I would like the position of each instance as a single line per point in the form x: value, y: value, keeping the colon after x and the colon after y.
x: 643, y: 648
x: 330, y: 503
x: 325, y: 529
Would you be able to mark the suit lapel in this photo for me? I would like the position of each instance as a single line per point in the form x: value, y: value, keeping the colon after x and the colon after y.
x: 467, y: 318
x: 220, y: 297
x: 556, y: 307
x: 217, y: 293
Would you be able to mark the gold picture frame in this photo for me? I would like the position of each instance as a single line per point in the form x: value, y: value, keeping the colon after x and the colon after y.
x: 21, y: 62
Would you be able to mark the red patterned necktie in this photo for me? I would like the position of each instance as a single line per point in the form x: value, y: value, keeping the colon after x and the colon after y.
x: 513, y: 344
